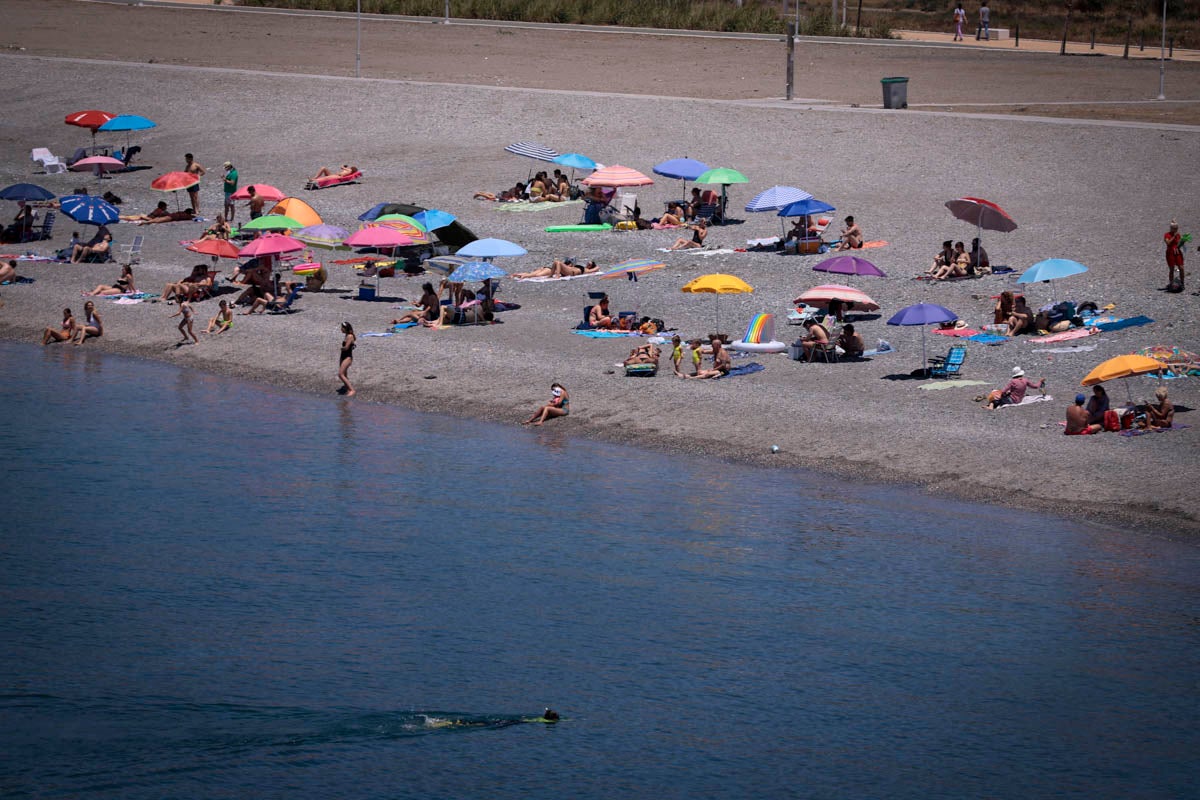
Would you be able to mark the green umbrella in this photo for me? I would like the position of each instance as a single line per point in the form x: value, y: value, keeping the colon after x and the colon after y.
x: 272, y: 222
x: 723, y: 176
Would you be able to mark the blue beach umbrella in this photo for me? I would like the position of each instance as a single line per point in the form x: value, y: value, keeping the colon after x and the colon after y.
x: 684, y: 169
x: 25, y: 191
x: 776, y: 198
x: 373, y: 212
x: 922, y: 314
x: 127, y: 123
x: 492, y: 248
x: 89, y: 209
x: 476, y: 271
x: 434, y: 218
x: 574, y: 161
x: 804, y: 208
x: 1051, y: 269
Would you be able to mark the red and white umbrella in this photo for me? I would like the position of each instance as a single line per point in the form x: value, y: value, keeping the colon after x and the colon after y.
x: 264, y: 190
x: 820, y: 296
x: 616, y: 176
x: 983, y: 214
x: 90, y: 119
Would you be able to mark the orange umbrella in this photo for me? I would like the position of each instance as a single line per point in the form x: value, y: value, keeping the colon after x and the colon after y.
x: 616, y: 176
x: 1123, y: 367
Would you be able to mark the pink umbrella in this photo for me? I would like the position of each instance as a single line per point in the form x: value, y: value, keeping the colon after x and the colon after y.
x: 377, y: 236
x: 821, y: 295
x: 616, y: 176
x: 98, y: 165
x: 264, y: 190
x: 272, y: 244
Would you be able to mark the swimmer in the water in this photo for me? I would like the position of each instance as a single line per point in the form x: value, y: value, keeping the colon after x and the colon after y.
x: 550, y: 715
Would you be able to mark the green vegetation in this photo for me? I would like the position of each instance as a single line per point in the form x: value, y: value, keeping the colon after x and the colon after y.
x: 753, y: 16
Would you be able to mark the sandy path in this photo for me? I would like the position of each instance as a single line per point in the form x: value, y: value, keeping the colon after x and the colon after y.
x: 1072, y: 188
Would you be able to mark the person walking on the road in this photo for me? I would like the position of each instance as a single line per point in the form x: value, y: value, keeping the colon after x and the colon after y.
x: 960, y: 16
x: 985, y: 19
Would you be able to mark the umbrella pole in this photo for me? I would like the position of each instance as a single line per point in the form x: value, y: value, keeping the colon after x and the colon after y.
x: 924, y: 359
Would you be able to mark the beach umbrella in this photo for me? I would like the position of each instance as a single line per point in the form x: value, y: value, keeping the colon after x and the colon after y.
x: 1181, y: 362
x: 298, y: 210
x: 616, y: 176
x: 217, y: 248
x: 806, y: 208
x: 575, y: 161
x: 88, y: 209
x: 173, y: 182
x: 444, y: 265
x: 1123, y: 367
x: 271, y: 222
x: 631, y: 268
x: 329, y: 237
x: 819, y: 296
x: 29, y: 192
x: 98, y: 165
x: 684, y: 169
x: 90, y: 119
x: 922, y: 314
x: 1051, y: 270
x: 538, y: 152
x: 724, y: 176
x: 377, y: 236
x: 849, y: 265
x: 407, y: 225
x: 492, y: 248
x: 476, y: 271
x: 983, y: 214
x: 434, y: 218
x: 127, y: 123
x: 263, y: 190
x: 271, y: 244
x: 717, y: 284
x: 777, y: 198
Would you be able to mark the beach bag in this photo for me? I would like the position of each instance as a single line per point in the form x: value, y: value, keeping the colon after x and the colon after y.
x: 626, y: 225
x: 1112, y: 421
x: 1127, y: 420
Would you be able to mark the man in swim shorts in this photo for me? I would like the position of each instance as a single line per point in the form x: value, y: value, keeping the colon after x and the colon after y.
x: 192, y: 167
x: 1077, y: 419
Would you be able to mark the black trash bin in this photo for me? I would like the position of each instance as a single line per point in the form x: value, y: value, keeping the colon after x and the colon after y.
x: 895, y: 92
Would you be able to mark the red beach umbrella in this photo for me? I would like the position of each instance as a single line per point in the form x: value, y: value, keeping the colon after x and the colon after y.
x: 217, y: 248
x: 983, y: 214
x: 272, y: 244
x: 174, y: 181
x: 91, y: 119
x: 264, y: 190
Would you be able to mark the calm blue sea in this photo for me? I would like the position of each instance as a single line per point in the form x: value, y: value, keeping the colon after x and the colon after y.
x: 211, y: 588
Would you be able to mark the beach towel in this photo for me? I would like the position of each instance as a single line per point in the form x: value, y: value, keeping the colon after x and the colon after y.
x: 1030, y: 399
x: 873, y: 244
x: 20, y: 279
x: 128, y: 301
x: 1077, y: 348
x: 937, y: 386
x: 1064, y: 336
x: 964, y: 332
x: 988, y: 338
x: 594, y: 334
x: 877, y: 352
x: 1143, y: 431
x: 599, y: 226
x: 333, y: 180
x: 1131, y: 322
x: 376, y: 333
x: 563, y: 278
x: 698, y: 251
x: 744, y: 369
x: 525, y: 206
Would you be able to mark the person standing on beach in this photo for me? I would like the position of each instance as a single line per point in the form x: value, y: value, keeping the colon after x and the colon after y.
x: 960, y: 17
x: 256, y: 202
x: 230, y: 186
x: 1174, y: 244
x: 345, y: 359
x: 985, y: 20
x: 185, y: 324
x: 192, y: 167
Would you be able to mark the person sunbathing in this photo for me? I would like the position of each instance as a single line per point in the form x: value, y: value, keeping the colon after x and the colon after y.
x: 943, y: 259
x: 64, y: 332
x: 699, y: 234
x: 470, y: 312
x: 643, y: 354
x: 852, y: 236
x: 92, y: 326
x: 565, y: 268
x: 98, y: 247
x: 8, y: 272
x: 672, y: 219
x: 261, y: 304
x: 325, y: 172
x: 1004, y: 308
x: 507, y: 196
x: 260, y: 286
x: 186, y: 215
x: 218, y: 230
x: 955, y: 266
x: 123, y: 284
x: 429, y: 308
x: 544, y: 190
x: 1162, y: 413
x: 190, y: 287
x: 600, y: 317
x: 160, y: 210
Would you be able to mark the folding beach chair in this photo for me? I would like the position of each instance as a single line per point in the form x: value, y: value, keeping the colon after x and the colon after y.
x: 949, y: 365
x: 132, y: 252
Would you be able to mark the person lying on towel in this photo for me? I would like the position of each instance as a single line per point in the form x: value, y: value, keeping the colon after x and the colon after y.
x: 325, y: 172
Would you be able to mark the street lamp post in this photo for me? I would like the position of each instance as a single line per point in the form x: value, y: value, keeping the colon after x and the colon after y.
x: 1162, y: 56
x: 358, y: 43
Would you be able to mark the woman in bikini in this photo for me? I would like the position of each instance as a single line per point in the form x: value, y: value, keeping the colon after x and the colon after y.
x: 429, y: 310
x: 345, y: 359
x: 92, y: 327
x: 123, y: 285
x: 62, y: 333
x: 559, y: 406
x: 218, y: 230
x: 699, y: 234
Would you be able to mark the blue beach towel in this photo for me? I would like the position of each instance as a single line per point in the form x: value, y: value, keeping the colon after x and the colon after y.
x: 1130, y: 322
x: 593, y: 334
x: 744, y: 369
x: 988, y: 338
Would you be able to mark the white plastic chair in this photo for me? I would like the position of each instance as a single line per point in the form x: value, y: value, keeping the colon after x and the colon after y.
x: 626, y: 203
x: 50, y: 162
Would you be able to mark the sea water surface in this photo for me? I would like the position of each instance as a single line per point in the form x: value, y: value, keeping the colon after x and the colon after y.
x: 213, y: 588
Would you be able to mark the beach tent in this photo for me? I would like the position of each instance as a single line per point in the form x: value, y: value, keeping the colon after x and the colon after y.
x: 454, y: 235
x: 298, y: 210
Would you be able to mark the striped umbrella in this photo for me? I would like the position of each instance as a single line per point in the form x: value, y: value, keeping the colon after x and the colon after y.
x: 775, y: 198
x: 820, y: 296
x: 632, y: 268
x: 616, y: 176
x: 538, y: 152
x: 329, y: 237
x: 406, y: 225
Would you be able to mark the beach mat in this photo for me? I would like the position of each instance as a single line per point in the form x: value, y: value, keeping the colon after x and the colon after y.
x: 937, y: 386
x: 524, y: 207
x: 987, y: 338
x: 744, y: 369
x: 1029, y: 400
x: 1064, y: 336
x: 1143, y: 431
x: 1131, y: 322
x: 963, y: 332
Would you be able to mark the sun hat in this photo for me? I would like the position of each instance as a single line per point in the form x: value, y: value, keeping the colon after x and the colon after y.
x: 1017, y: 372
x: 1080, y: 399
x: 228, y: 164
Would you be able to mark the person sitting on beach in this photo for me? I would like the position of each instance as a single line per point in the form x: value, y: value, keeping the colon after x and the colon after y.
x: 559, y: 406
x: 98, y: 247
x: 699, y: 233
x: 218, y: 230
x: 644, y: 354
x: 470, y: 312
x: 345, y: 171
x: 817, y: 336
x: 943, y: 259
x: 1021, y: 318
x: 852, y: 343
x: 1097, y: 405
x: 21, y: 229
x: 674, y: 217
x: 1013, y: 394
x: 223, y: 321
x: 190, y: 287
x: 837, y: 309
x: 1077, y: 419
x: 1003, y: 309
x: 955, y: 265
x: 721, y: 362
x: 600, y: 317
x: 8, y: 272
x: 429, y: 308
x: 64, y: 332
x: 507, y: 196
x: 123, y: 285
x: 544, y: 190
x: 852, y: 236
x: 92, y: 326
x: 693, y: 204
x: 979, y: 263
x: 260, y: 285
x: 316, y: 281
x: 1162, y: 413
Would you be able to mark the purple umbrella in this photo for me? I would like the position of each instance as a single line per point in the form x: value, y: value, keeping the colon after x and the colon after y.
x: 923, y: 314
x: 850, y: 265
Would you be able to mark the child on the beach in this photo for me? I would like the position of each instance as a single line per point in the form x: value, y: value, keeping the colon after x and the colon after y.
x: 185, y: 324
x: 223, y: 321
x: 696, y: 344
x: 676, y: 354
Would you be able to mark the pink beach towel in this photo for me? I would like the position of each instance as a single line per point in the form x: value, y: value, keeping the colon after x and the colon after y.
x: 1075, y: 333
